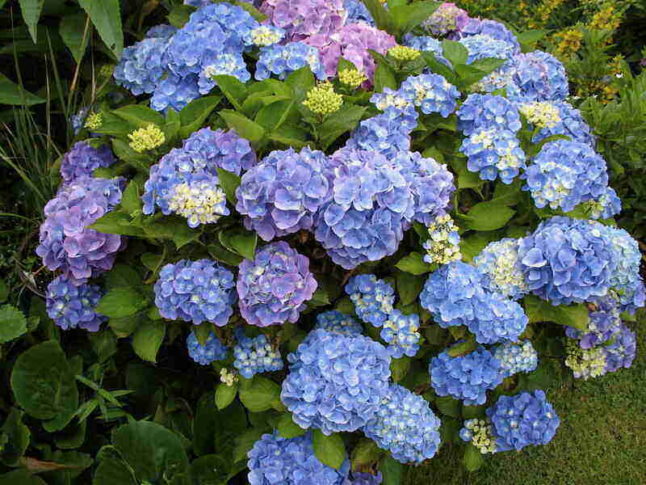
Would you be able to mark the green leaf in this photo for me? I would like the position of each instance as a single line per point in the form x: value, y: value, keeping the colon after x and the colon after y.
x: 20, y: 477
x: 414, y: 264
x: 382, y: 17
x: 448, y: 406
x: 365, y: 454
x: 488, y: 216
x: 179, y: 15
x: 210, y: 469
x: 117, y: 223
x: 44, y: 385
x: 224, y: 395
x: 234, y: 90
x: 391, y: 470
x: 272, y: 116
x: 287, y: 428
x: 384, y: 75
x: 343, y: 121
x: 463, y: 348
x: 472, y: 245
x: 407, y: 17
x: 243, y: 126
x: 487, y: 65
x: 13, y: 94
x: 529, y: 38
x: 472, y: 458
x: 239, y: 241
x: 31, y: 10
x: 330, y: 450
x: 229, y: 183
x: 220, y: 253
x: 148, y: 339
x: 455, y: 52
x: 539, y: 310
x: 140, y: 116
x: 75, y: 35
x: 260, y: 394
x: 195, y: 113
x: 408, y: 286
x: 4, y: 291
x: 121, y: 302
x: 301, y: 81
x: 106, y: 17
x: 131, y: 201
x: 18, y: 435
x: 13, y: 323
x: 172, y: 228
x: 399, y: 368
x: 438, y: 67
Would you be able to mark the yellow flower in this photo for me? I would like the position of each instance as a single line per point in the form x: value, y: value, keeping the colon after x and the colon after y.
x: 352, y: 77
x: 403, y: 53
x: 569, y: 42
x: 147, y: 138
x: 323, y: 100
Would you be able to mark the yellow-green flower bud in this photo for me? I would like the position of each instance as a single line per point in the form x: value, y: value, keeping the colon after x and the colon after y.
x: 323, y: 100
x: 352, y: 77
x: 403, y: 53
x: 542, y: 114
x: 147, y: 138
x: 94, y: 121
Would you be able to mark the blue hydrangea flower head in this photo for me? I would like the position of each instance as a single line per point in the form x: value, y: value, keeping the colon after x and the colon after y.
x: 336, y: 382
x: 570, y: 123
x: 605, y: 321
x: 482, y: 46
x: 606, y: 206
x: 175, y: 92
x: 274, y: 287
x: 479, y: 433
x: 491, y: 28
x: 424, y: 43
x: 83, y: 159
x: 274, y: 460
x: 223, y: 149
x: 516, y: 357
x: 497, y: 319
x: 67, y: 244
x: 585, y: 363
x: 195, y: 291
x: 565, y: 174
x: 567, y: 261
x: 401, y: 333
x: 359, y: 478
x: 282, y: 60
x: 357, y: 12
x: 337, y: 322
x: 73, y: 305
x: 405, y: 426
x: 431, y: 93
x: 522, y: 420
x: 494, y: 153
x: 501, y: 269
x: 539, y: 76
x: 255, y: 355
x: 621, y: 352
x: 373, y: 298
x: 212, y: 350
x: 398, y: 101
x: 466, y: 377
x: 387, y: 133
x: 282, y: 194
x: 486, y: 111
x: 225, y: 64
x: 452, y: 294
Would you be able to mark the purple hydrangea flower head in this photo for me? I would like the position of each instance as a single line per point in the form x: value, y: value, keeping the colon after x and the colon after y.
x: 282, y: 60
x: 225, y: 64
x: 490, y: 28
x: 373, y: 298
x: 303, y: 19
x: 486, y: 111
x: 222, y: 149
x: 482, y: 46
x: 357, y: 12
x: 466, y: 377
x: 604, y: 323
x: 497, y: 319
x: 621, y: 352
x: 73, y: 305
x: 67, y: 243
x: 565, y: 174
x: 431, y: 93
x: 522, y: 420
x: 83, y: 159
x: 336, y: 382
x: 282, y: 194
x: 405, y: 426
x: 274, y: 460
x: 387, y: 133
x: 212, y: 350
x: 255, y: 355
x: 274, y: 287
x: 494, y: 153
x: 452, y: 294
x: 353, y: 42
x: 401, y: 333
x: 539, y: 76
x: 570, y: 123
x: 516, y: 357
x: 359, y: 478
x: 501, y: 269
x: 195, y: 291
x: 446, y: 19
x: 337, y: 322
x: 175, y: 92
x: 567, y: 261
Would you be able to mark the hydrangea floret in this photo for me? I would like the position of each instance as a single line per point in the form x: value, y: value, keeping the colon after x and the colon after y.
x: 516, y: 357
x: 501, y: 269
x: 337, y: 322
x: 443, y: 245
x: 494, y: 153
x: 213, y: 349
x: 479, y: 433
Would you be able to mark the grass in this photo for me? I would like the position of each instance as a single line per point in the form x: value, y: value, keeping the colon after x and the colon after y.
x: 601, y: 440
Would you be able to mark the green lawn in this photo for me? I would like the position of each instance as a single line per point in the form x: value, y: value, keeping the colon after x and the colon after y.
x: 601, y: 440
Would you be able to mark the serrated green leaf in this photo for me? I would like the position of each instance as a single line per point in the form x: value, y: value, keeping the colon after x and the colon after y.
x: 229, y: 183
x: 234, y: 90
x: 365, y: 453
x: 472, y: 459
x: 13, y: 323
x: 487, y: 216
x: 391, y: 470
x: 239, y: 241
x: 399, y: 368
x: 330, y: 450
x: 195, y: 113
x: 343, y: 121
x: 131, y: 201
x: 243, y: 126
x: 454, y: 52
x: 139, y: 116
x: 448, y: 406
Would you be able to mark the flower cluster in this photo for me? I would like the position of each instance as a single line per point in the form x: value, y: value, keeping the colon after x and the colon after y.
x: 357, y: 12
x: 336, y: 382
x: 403, y: 53
x: 446, y: 19
x: 485, y: 112
x: 274, y: 287
x: 431, y: 93
x: 501, y: 269
x: 425, y: 43
x: 195, y: 291
x: 387, y: 133
x: 322, y: 99
x: 303, y: 19
x: 542, y: 114
x: 482, y: 46
x: 443, y: 245
x: 282, y: 60
x: 147, y: 138
x: 497, y: 319
x: 282, y: 193
x: 405, y: 425
x: 211, y: 351
x: 83, y: 159
x: 539, y: 76
x: 274, y: 460
x: 67, y: 243
x: 73, y: 305
x: 522, y: 420
x: 352, y: 78
x: 222, y: 149
x: 494, y: 153
x: 604, y: 323
x: 621, y: 352
x: 479, y: 433
x: 558, y: 118
x: 466, y: 377
x: 255, y: 355
x: 264, y: 35
x: 515, y: 358
x: 585, y: 363
x: 373, y: 298
x: 401, y: 333
x: 337, y: 322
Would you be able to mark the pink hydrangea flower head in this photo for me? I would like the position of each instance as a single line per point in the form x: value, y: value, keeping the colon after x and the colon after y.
x: 304, y: 18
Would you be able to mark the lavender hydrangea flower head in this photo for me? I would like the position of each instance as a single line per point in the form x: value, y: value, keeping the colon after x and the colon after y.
x: 67, y: 243
x: 515, y: 358
x: 605, y: 321
x: 373, y: 298
x: 467, y: 377
x: 446, y: 19
x: 565, y: 174
x: 274, y: 287
x: 282, y: 194
x: 255, y: 355
x: 522, y: 420
x: 274, y: 460
x: 621, y: 352
x: 337, y: 322
x: 490, y: 28
x: 195, y: 291
x: 431, y: 93
x: 539, y: 76
x: 401, y: 333
x: 497, y: 319
x: 406, y: 426
x: 282, y: 60
x: 501, y: 269
x: 73, y: 305
x: 387, y: 133
x: 335, y: 382
x: 352, y: 42
x: 567, y: 261
x: 211, y: 351
x: 303, y: 19
x: 83, y: 159
x: 487, y: 111
x: 224, y: 149
x: 494, y: 153
x: 570, y: 123
x: 360, y: 478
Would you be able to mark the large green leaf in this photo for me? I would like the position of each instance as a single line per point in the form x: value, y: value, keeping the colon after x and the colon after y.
x: 106, y: 17
x: 13, y: 94
x: 193, y: 116
x: 391, y: 470
x: 31, y: 10
x: 288, y: 428
x: 148, y: 339
x: 539, y: 310
x: 487, y: 216
x: 239, y: 241
x: 260, y: 394
x: 330, y: 450
x: 18, y: 435
x: 121, y: 302
x: 414, y: 264
x: 13, y: 323
x: 75, y: 32
x: 243, y: 126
